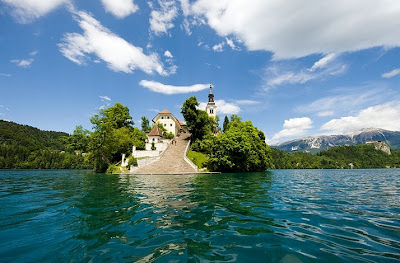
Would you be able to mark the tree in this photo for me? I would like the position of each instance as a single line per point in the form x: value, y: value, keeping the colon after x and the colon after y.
x: 197, y: 121
x: 111, y: 135
x: 241, y: 148
x: 226, y: 123
x: 145, y: 125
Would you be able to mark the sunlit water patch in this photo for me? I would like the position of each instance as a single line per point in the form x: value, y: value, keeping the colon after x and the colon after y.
x: 275, y: 216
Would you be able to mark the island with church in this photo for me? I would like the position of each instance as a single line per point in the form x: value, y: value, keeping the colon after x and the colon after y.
x: 169, y: 141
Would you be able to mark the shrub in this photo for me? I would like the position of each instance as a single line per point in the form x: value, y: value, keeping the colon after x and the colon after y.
x: 112, y: 169
x: 153, y: 147
x: 132, y: 161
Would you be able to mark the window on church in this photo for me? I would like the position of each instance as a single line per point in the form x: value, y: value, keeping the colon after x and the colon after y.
x: 165, y: 125
x: 168, y: 117
x: 162, y: 117
x: 171, y: 124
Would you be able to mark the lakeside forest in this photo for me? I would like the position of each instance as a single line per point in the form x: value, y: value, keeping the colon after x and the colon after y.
x: 237, y: 146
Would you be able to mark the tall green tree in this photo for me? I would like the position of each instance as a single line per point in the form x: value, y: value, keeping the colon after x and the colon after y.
x: 112, y: 135
x: 145, y: 125
x: 226, y: 123
x: 198, y: 122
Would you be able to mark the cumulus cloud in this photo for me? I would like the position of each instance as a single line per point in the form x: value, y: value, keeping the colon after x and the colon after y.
x: 384, y: 116
x: 120, y: 8
x: 98, y: 40
x: 391, y: 74
x: 294, y: 127
x: 25, y: 11
x: 289, y: 29
x: 161, y: 20
x: 5, y: 75
x: 170, y: 89
x: 223, y: 107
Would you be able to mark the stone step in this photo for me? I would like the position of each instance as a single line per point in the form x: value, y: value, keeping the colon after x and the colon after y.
x: 173, y: 159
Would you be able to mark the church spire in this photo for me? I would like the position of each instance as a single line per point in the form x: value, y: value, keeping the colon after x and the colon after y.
x: 211, y: 108
x: 211, y: 95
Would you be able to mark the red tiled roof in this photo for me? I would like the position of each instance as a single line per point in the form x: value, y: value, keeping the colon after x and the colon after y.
x: 155, y: 131
x: 165, y: 111
x: 181, y: 123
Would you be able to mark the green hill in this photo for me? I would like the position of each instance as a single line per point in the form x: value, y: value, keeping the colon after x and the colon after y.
x: 26, y: 147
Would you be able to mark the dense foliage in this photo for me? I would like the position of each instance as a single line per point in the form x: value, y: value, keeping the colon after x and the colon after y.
x: 198, y: 122
x: 339, y: 157
x: 240, y: 148
x: 113, y: 135
x: 26, y: 147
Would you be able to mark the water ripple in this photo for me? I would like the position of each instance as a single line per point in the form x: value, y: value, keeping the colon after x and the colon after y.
x: 277, y: 216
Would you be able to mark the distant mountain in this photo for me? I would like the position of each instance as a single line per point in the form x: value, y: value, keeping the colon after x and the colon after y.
x: 324, y: 142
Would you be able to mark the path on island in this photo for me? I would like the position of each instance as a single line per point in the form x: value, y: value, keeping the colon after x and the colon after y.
x: 172, y: 162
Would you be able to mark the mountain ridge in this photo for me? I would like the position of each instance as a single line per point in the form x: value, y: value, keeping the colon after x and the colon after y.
x: 315, y: 144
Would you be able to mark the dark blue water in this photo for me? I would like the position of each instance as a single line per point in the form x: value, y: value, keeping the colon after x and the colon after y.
x: 277, y: 216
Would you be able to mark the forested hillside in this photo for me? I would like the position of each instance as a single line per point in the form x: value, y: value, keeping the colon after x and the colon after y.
x: 26, y: 147
x: 358, y: 156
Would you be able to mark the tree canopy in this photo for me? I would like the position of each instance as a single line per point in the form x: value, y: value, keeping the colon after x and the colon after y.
x: 198, y: 122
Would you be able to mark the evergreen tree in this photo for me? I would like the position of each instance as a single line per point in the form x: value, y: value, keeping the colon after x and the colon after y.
x: 226, y: 123
x: 145, y: 125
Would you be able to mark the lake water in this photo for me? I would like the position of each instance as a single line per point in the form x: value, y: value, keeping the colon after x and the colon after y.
x: 275, y: 216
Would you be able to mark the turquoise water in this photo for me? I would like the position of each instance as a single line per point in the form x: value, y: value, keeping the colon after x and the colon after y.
x: 276, y: 216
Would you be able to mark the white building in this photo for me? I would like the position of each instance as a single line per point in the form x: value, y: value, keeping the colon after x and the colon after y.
x: 169, y: 122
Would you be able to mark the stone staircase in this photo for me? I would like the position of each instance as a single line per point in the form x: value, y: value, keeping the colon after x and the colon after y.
x: 172, y: 161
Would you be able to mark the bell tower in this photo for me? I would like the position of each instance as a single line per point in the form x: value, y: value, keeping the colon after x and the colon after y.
x: 211, y: 108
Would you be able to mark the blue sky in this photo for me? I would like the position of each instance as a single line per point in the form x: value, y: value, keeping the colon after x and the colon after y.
x: 294, y: 68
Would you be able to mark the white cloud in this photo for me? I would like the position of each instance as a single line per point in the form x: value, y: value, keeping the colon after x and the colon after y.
x: 391, y: 74
x: 5, y: 75
x: 384, y: 116
x: 98, y: 40
x: 120, y: 8
x: 25, y: 11
x: 168, y: 54
x: 349, y: 100
x: 33, y: 53
x: 185, y: 6
x: 104, y: 98
x: 284, y: 73
x: 219, y: 47
x: 24, y: 63
x: 106, y: 102
x: 294, y: 127
x: 223, y: 107
x: 322, y: 63
x: 293, y: 29
x: 170, y: 89
x: 161, y: 20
